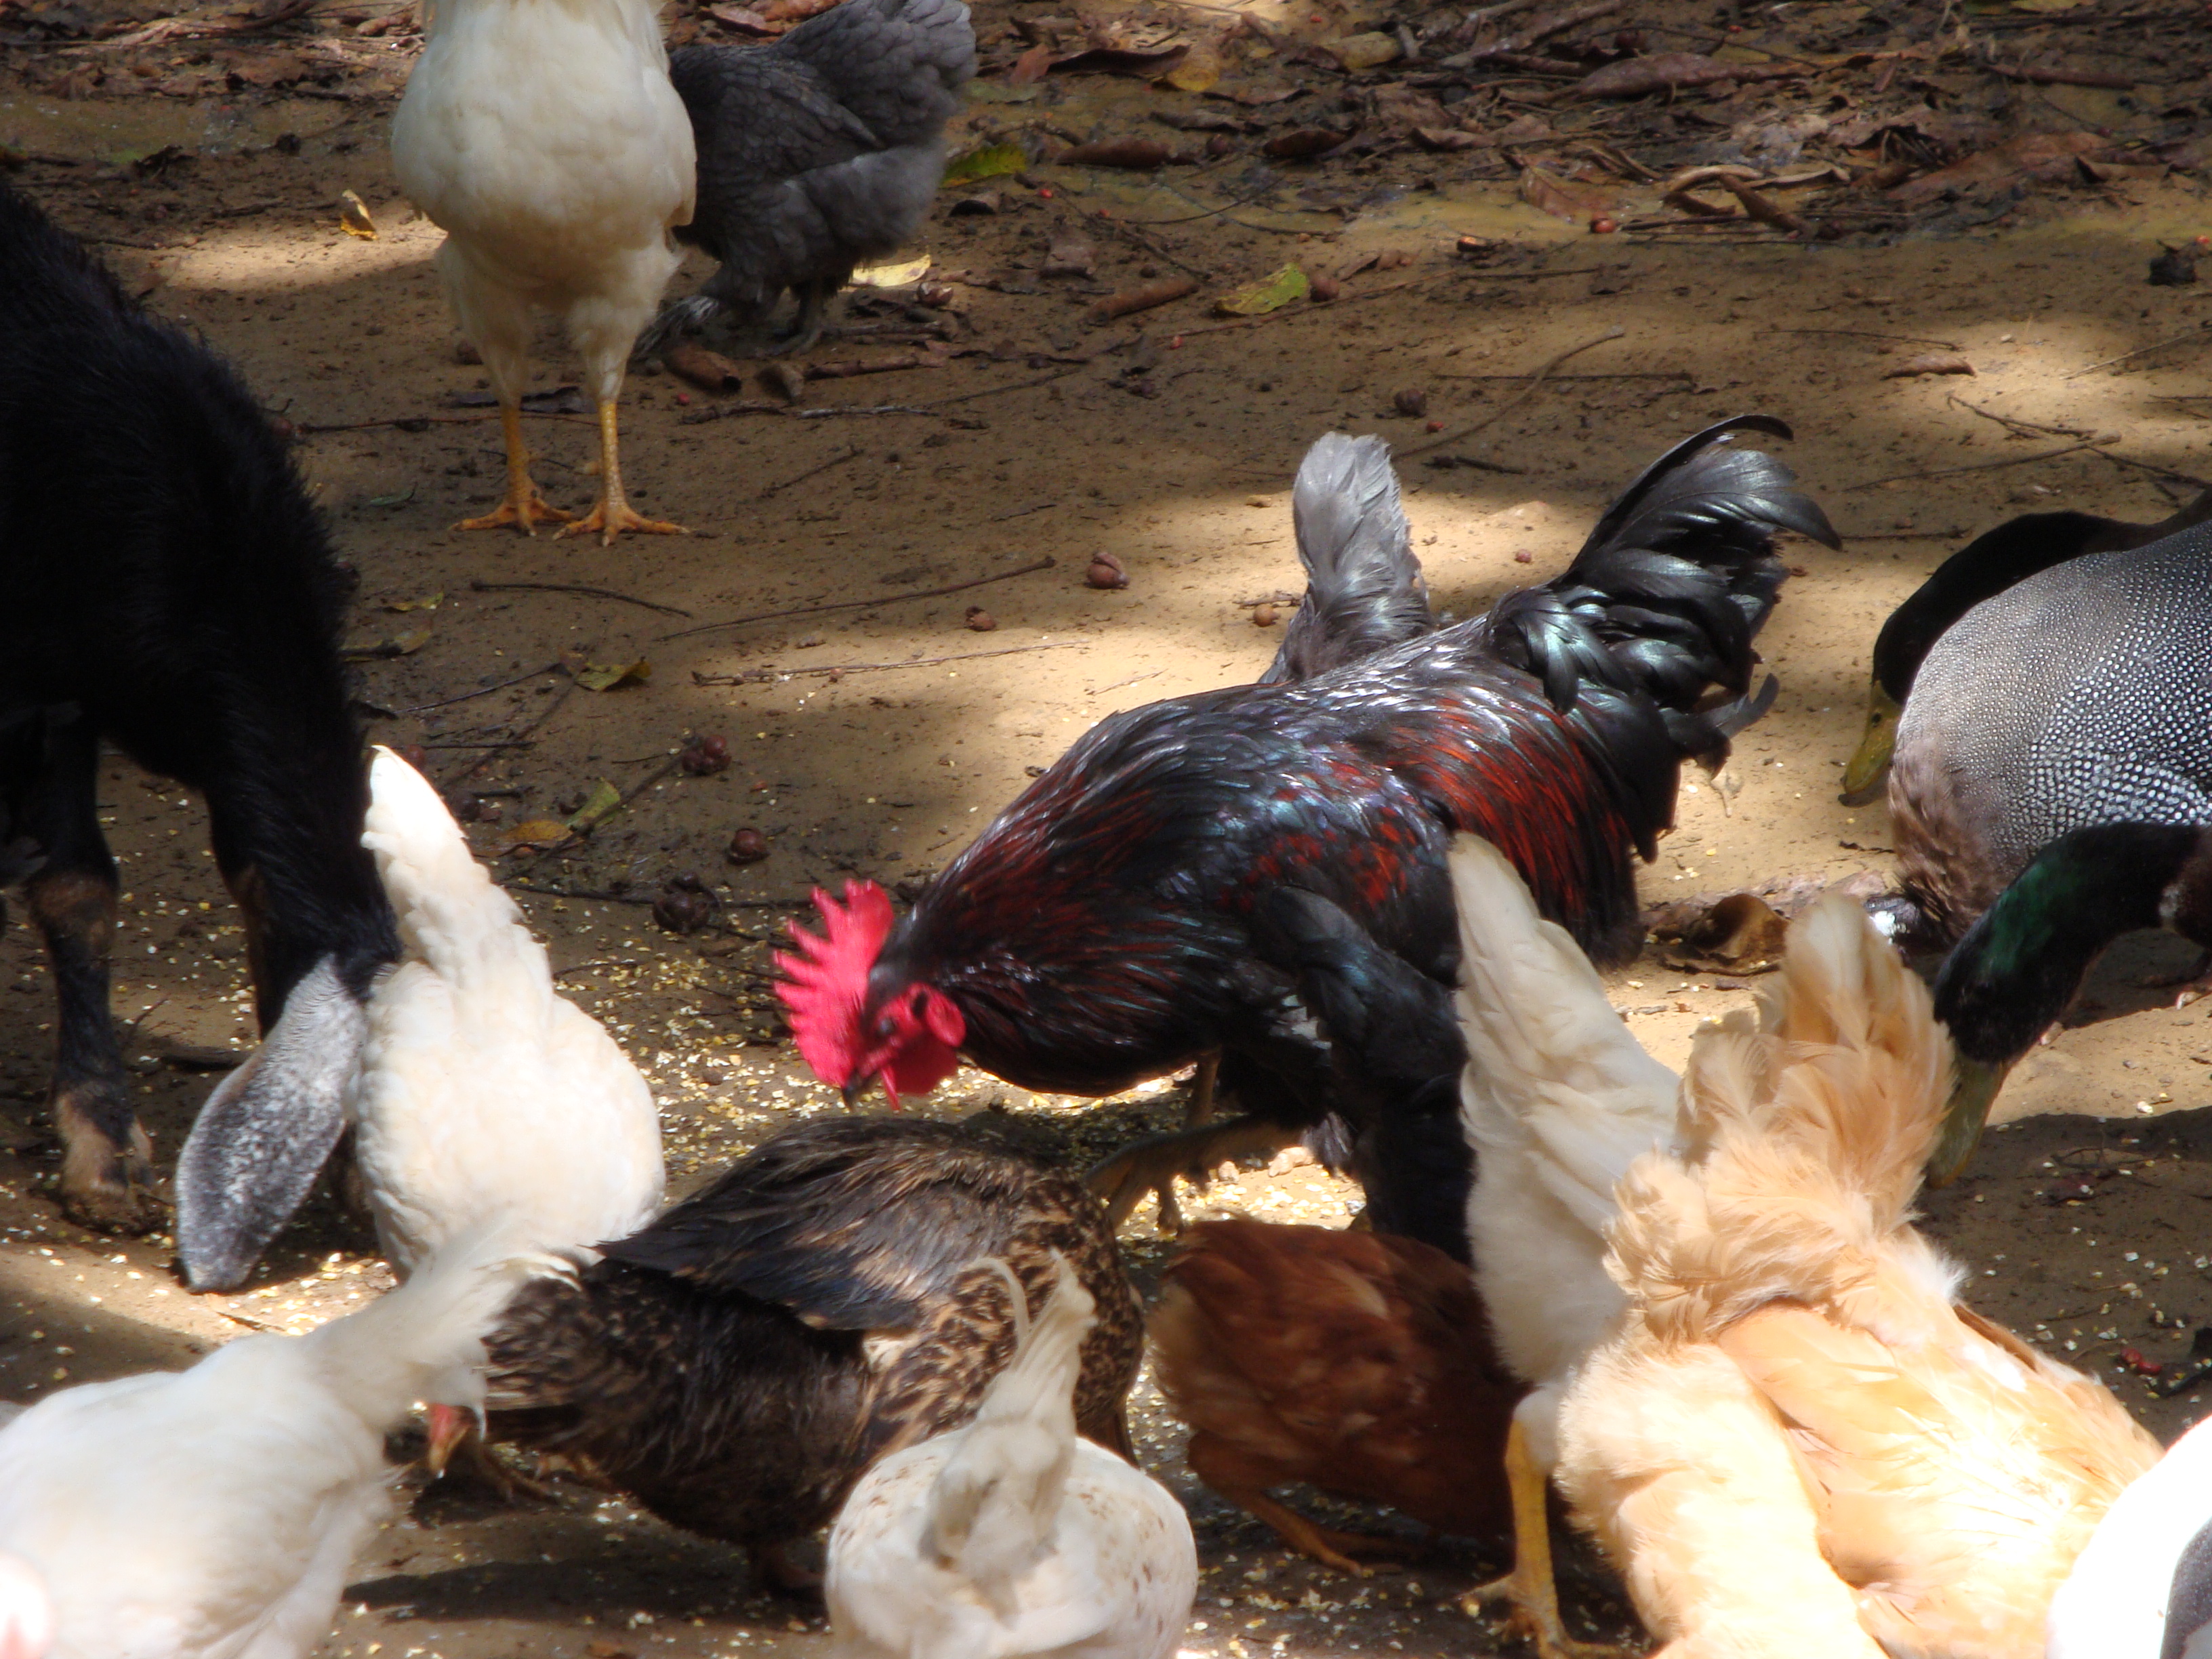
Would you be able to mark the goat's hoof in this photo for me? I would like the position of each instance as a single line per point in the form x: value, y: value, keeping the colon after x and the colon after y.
x: 111, y: 1190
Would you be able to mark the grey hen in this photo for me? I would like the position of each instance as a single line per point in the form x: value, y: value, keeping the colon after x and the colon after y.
x: 816, y: 153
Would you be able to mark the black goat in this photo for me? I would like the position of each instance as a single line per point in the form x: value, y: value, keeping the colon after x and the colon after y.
x: 171, y: 590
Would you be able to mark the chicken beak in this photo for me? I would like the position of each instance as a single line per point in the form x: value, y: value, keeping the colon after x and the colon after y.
x: 448, y: 1425
x: 1964, y: 1114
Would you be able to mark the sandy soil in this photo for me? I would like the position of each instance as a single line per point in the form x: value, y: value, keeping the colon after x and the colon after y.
x: 874, y: 730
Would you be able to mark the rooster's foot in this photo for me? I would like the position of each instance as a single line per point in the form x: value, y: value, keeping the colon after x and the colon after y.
x: 791, y: 1577
x: 1332, y: 1548
x: 526, y: 510
x: 611, y: 518
x: 1150, y: 1165
x: 1532, y: 1587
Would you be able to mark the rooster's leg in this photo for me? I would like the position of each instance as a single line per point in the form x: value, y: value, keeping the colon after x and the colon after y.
x: 1151, y: 1165
x: 813, y: 307
x: 524, y: 508
x: 1200, y: 1110
x: 612, y: 514
x: 1242, y: 1478
x: 787, y: 1574
x: 1532, y: 1587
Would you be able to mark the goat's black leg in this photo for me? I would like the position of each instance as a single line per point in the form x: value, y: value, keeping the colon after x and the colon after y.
x: 105, y: 1172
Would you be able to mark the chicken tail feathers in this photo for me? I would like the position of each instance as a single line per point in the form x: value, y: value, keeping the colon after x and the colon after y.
x: 1675, y: 582
x: 1802, y: 1140
x: 992, y: 1506
x: 452, y: 915
x: 898, y: 65
x: 425, y: 1341
x: 1363, y: 585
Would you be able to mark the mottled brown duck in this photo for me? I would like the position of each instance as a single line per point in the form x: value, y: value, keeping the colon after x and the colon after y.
x: 736, y: 1365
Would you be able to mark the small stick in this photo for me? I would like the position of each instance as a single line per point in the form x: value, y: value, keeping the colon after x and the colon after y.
x: 1763, y: 209
x: 1535, y: 380
x: 2197, y: 333
x: 1975, y: 466
x: 1308, y: 310
x: 646, y: 783
x: 589, y: 591
x: 2066, y: 78
x: 835, y: 460
x: 722, y: 411
x: 858, y: 604
x: 598, y: 895
x: 1863, y: 334
x: 1640, y: 375
x: 468, y: 696
x: 2018, y: 427
x: 544, y: 715
x: 1899, y: 535
x: 763, y: 675
x: 1129, y: 232
x: 2156, y: 471
x: 1134, y: 679
x: 1528, y: 277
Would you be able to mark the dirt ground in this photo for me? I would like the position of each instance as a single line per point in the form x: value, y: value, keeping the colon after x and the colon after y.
x: 875, y: 726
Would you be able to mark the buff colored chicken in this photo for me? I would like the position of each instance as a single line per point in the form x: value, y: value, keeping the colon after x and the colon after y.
x: 1796, y: 1443
x: 545, y: 138
x: 484, y: 1095
x: 1010, y: 1536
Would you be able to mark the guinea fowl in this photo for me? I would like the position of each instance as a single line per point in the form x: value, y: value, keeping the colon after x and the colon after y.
x: 171, y: 592
x: 816, y: 153
x: 214, y: 1513
x: 2020, y: 965
x: 547, y: 143
x: 1100, y: 930
x: 1797, y: 1443
x: 1011, y: 1537
x: 738, y: 1364
x: 485, y: 1094
x: 2050, y: 676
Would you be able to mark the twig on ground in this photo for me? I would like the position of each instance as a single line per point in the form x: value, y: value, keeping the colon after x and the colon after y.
x: 588, y: 591
x: 1863, y: 334
x: 552, y: 707
x: 2202, y: 332
x: 835, y: 460
x: 858, y: 604
x: 1535, y: 381
x: 1977, y: 466
x: 484, y: 691
x: 1307, y: 310
x: 763, y: 675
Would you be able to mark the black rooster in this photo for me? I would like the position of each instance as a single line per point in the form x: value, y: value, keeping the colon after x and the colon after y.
x: 1101, y: 931
x: 816, y: 153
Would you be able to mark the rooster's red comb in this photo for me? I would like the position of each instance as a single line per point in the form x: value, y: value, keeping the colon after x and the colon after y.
x: 825, y: 983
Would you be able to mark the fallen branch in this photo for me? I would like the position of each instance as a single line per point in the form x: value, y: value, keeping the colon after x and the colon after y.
x: 589, y: 591
x: 1863, y: 334
x: 483, y: 691
x: 1634, y: 374
x: 859, y: 605
x: 2197, y: 333
x: 544, y: 715
x: 838, y: 671
x: 723, y: 411
x: 1535, y: 381
x: 1980, y: 466
x: 1308, y: 310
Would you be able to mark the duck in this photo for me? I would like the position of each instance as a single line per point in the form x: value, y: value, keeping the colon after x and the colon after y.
x: 215, y: 1513
x: 1795, y: 1441
x: 2017, y: 968
x: 482, y: 1094
x: 1358, y: 1362
x: 27, y: 1616
x: 2141, y: 1588
x: 2050, y: 676
x: 1013, y: 1536
x: 738, y: 1364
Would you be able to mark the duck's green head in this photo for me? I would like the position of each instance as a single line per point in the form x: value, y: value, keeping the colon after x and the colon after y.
x: 2020, y: 963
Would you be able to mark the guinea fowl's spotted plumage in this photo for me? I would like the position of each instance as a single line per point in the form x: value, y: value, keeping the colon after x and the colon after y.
x: 736, y: 1364
x: 1100, y: 930
x: 820, y: 151
x: 2081, y: 695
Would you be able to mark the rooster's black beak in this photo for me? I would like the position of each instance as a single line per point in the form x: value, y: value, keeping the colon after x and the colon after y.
x: 853, y: 1091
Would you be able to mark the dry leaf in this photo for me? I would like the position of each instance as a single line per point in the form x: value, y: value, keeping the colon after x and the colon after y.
x: 2039, y: 154
x: 1200, y: 68
x: 1303, y: 143
x: 1070, y: 255
x: 1143, y: 297
x: 353, y: 217
x: 426, y: 602
x: 903, y: 273
x: 537, y: 833
x: 710, y: 371
x: 1363, y: 51
x: 1447, y: 138
x: 1668, y: 71
x: 1031, y: 67
x: 1271, y: 292
x: 604, y: 800
x: 605, y: 676
x: 1562, y: 199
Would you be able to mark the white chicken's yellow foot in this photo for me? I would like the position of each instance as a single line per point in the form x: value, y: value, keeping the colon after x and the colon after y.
x: 524, y: 508
x: 612, y: 514
x: 1532, y: 1587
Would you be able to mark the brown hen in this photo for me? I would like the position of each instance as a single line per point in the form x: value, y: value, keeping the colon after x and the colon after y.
x: 1357, y: 1361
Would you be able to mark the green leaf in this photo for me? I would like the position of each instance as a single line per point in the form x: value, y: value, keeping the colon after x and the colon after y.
x: 1270, y: 293
x: 606, y: 676
x: 604, y: 800
x: 987, y: 161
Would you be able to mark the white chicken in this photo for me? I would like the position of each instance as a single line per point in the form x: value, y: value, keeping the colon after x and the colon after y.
x: 1010, y: 1536
x: 214, y: 1513
x: 543, y: 138
x: 26, y: 1617
x: 483, y: 1094
x: 2141, y: 1588
x: 1557, y: 1100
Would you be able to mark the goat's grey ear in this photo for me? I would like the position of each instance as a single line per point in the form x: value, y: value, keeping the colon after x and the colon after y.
x: 266, y: 1132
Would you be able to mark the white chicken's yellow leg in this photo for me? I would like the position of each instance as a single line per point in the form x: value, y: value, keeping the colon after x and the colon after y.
x: 612, y: 514
x: 524, y: 508
x: 1533, y: 1587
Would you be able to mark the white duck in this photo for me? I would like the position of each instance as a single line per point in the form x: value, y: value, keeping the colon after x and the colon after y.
x: 26, y: 1617
x: 543, y: 138
x: 1557, y: 1100
x: 483, y: 1094
x: 1010, y: 1536
x: 215, y: 1513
